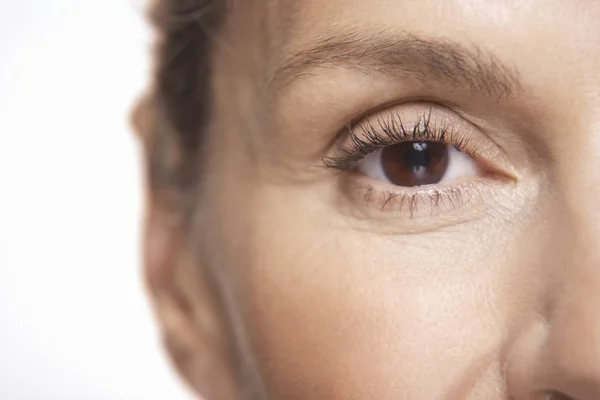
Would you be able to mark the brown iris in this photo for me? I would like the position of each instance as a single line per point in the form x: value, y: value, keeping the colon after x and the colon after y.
x: 415, y: 163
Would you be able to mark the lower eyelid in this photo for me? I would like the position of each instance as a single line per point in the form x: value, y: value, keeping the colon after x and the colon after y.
x: 376, y: 207
x: 378, y: 200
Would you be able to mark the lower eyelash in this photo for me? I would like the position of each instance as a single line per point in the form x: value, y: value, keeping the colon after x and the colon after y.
x: 448, y: 198
x: 423, y: 201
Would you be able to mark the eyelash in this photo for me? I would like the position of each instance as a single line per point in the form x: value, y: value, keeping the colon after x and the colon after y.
x: 365, y: 139
x: 393, y: 131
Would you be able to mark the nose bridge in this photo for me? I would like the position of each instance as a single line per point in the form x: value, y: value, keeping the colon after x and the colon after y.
x: 574, y: 317
x: 577, y: 148
x: 578, y: 180
x: 571, y: 360
x: 572, y: 356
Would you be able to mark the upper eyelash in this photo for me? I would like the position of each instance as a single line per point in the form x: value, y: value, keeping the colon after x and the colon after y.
x: 391, y: 131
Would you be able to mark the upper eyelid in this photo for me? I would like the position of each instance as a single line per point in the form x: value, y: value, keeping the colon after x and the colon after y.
x: 393, y: 131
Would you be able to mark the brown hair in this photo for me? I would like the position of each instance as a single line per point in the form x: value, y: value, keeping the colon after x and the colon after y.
x: 172, y: 120
x: 174, y: 115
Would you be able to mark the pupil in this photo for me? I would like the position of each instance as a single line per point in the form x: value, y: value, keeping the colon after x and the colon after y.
x: 415, y: 163
x: 417, y: 158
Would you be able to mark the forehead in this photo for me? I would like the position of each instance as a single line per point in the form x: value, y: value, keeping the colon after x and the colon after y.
x: 281, y: 27
x: 399, y: 11
x: 462, y: 19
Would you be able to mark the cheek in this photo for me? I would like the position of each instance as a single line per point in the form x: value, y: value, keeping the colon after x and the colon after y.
x: 337, y: 312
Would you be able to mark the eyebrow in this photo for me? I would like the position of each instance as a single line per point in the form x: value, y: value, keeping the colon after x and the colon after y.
x: 405, y: 56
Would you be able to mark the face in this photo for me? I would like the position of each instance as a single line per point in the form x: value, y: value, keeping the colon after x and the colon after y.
x: 400, y: 199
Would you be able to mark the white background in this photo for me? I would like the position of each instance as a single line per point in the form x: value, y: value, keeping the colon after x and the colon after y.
x: 74, y: 323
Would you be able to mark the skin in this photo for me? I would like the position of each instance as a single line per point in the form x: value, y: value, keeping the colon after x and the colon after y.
x: 291, y: 284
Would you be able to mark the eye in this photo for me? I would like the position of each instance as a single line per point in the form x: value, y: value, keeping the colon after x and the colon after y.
x: 418, y: 163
